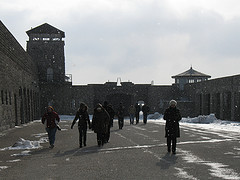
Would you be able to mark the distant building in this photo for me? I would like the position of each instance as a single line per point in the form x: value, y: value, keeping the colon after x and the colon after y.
x: 32, y: 80
x: 46, y: 47
x: 189, y: 76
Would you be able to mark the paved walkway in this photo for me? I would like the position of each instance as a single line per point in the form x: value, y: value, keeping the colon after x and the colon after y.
x: 136, y: 152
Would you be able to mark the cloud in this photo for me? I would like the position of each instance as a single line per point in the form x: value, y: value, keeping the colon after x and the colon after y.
x: 144, y: 42
x: 137, y: 40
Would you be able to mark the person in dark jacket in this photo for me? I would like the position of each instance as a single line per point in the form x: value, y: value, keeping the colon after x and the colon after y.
x: 82, y: 115
x: 145, y: 110
x: 100, y: 122
x: 172, y: 132
x: 120, y: 114
x: 111, y: 113
x: 137, y: 111
x: 131, y: 111
x: 51, y: 120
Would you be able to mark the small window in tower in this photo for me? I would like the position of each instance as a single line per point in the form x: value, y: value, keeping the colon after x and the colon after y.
x: 56, y: 39
x: 46, y: 39
x: 191, y: 80
x: 49, y: 74
x: 36, y: 39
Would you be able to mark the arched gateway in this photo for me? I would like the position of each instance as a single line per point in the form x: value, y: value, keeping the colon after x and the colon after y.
x: 125, y: 99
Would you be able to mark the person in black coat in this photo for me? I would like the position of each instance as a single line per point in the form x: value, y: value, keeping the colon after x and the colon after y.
x: 137, y: 111
x: 83, y: 117
x: 111, y: 113
x: 145, y: 110
x: 172, y: 132
x: 120, y: 114
x: 100, y: 122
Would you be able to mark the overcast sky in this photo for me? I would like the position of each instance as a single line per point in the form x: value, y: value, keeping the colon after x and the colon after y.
x: 137, y: 40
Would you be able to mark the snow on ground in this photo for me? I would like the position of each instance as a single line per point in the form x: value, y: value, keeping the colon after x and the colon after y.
x: 200, y: 124
x: 206, y: 122
x: 203, y: 122
x: 210, y: 122
x: 27, y: 145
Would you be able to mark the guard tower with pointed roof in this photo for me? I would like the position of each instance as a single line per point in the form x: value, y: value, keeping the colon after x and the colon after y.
x: 46, y: 47
x: 189, y: 76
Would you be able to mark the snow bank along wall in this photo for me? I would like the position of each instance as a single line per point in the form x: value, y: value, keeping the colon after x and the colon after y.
x: 219, y: 96
x: 31, y: 83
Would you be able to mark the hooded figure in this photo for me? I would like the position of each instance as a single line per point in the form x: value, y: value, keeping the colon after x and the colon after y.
x: 172, y: 132
x: 100, y: 123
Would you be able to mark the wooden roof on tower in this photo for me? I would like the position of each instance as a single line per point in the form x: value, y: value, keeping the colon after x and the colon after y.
x: 45, y: 29
x: 191, y: 73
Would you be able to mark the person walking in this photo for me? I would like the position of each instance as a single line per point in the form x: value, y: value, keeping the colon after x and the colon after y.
x: 137, y: 111
x: 111, y: 113
x: 100, y: 122
x: 120, y: 114
x: 145, y: 110
x: 83, y: 119
x: 51, y: 120
x: 131, y: 111
x: 172, y: 131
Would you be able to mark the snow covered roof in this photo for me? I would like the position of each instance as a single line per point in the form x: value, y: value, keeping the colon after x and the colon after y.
x: 191, y: 73
x: 45, y: 29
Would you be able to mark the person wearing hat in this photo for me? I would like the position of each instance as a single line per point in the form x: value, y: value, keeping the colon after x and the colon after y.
x: 172, y: 132
x: 51, y: 120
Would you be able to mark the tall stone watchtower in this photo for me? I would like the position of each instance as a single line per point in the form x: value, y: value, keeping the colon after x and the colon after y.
x: 189, y: 76
x: 46, y: 47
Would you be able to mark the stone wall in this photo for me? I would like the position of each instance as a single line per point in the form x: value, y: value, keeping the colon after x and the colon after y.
x: 19, y: 90
x: 219, y: 96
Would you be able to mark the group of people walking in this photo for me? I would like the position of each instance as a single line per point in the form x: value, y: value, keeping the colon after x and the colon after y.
x: 102, y: 121
x: 134, y: 111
